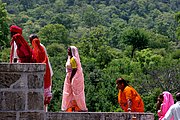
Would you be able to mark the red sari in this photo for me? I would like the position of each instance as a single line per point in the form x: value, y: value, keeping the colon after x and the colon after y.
x: 24, y: 51
x: 40, y: 56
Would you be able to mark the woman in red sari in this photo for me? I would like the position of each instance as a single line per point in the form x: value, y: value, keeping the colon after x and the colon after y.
x: 40, y: 56
x: 20, y: 50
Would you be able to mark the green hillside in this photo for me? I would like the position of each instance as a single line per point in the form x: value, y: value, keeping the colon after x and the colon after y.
x: 134, y: 39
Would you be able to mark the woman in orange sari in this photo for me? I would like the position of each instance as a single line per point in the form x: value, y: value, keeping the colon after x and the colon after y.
x: 73, y: 99
x: 128, y: 98
x: 40, y: 56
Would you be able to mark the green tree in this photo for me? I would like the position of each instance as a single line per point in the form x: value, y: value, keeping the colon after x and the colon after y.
x: 115, y: 33
x: 4, y: 29
x: 177, y: 17
x: 90, y: 17
x: 64, y: 19
x: 137, y: 21
x: 95, y: 44
x: 137, y: 38
x: 158, y: 41
x: 165, y: 25
x: 54, y: 33
x: 4, y: 55
x: 57, y: 56
x: 158, y: 71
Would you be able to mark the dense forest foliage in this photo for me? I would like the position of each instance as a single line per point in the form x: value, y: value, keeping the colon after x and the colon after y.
x: 134, y: 39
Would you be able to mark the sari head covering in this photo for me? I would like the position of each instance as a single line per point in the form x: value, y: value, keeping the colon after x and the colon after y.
x: 74, y: 90
x: 40, y: 57
x: 16, y: 29
x: 38, y: 51
x: 75, y: 54
x: 167, y: 102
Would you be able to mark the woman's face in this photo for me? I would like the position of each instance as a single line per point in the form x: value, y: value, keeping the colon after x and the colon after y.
x: 160, y: 98
x: 120, y: 86
x: 69, y: 51
x: 12, y: 33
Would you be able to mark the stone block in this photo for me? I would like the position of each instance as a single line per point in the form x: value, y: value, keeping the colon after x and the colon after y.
x: 7, y: 79
x: 35, y: 101
x: 31, y: 116
x: 1, y: 100
x: 35, y: 81
x: 12, y: 101
x: 7, y: 116
x: 22, y: 67
x: 98, y: 116
x: 21, y: 115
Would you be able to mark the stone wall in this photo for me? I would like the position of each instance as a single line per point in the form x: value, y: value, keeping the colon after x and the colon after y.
x: 99, y: 116
x: 21, y: 97
x: 21, y: 87
x: 74, y: 116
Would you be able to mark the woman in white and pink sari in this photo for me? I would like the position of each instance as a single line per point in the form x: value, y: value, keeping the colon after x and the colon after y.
x: 165, y: 100
x: 73, y: 99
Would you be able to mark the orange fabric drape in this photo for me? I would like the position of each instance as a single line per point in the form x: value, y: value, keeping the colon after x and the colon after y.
x: 39, y: 56
x: 74, y: 107
x: 130, y: 93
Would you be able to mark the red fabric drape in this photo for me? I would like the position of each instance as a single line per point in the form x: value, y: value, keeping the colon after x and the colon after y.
x: 24, y: 51
x: 40, y: 57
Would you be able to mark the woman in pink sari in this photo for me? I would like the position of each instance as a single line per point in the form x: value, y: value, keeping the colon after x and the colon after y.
x: 165, y: 100
x: 73, y: 99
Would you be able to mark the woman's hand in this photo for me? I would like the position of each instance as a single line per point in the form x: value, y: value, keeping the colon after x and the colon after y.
x: 73, y: 73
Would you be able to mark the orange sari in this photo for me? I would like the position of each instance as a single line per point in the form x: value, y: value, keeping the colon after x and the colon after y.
x: 131, y: 94
x: 40, y: 56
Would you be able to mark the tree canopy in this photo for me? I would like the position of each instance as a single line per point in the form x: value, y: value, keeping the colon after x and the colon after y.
x: 134, y: 39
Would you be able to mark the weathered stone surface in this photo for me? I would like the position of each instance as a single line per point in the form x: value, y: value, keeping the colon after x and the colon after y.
x: 21, y: 84
x: 35, y: 82
x: 7, y: 79
x: 98, y: 116
x: 35, y: 101
x: 12, y: 101
x: 7, y: 116
x: 22, y: 67
x: 1, y: 99
x: 73, y: 116
x: 31, y: 116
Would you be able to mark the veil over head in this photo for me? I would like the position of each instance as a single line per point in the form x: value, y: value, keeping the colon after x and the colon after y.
x: 74, y: 90
x: 167, y: 102
x: 75, y: 54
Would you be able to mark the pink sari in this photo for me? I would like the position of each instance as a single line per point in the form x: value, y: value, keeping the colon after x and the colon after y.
x: 167, y: 102
x: 74, y: 90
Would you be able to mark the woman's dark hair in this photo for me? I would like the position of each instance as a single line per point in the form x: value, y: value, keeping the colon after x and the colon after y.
x: 121, y: 80
x: 13, y: 33
x: 32, y: 36
x: 178, y: 96
x: 159, y: 102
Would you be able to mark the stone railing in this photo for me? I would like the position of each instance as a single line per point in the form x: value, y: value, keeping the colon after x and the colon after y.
x: 21, y: 98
